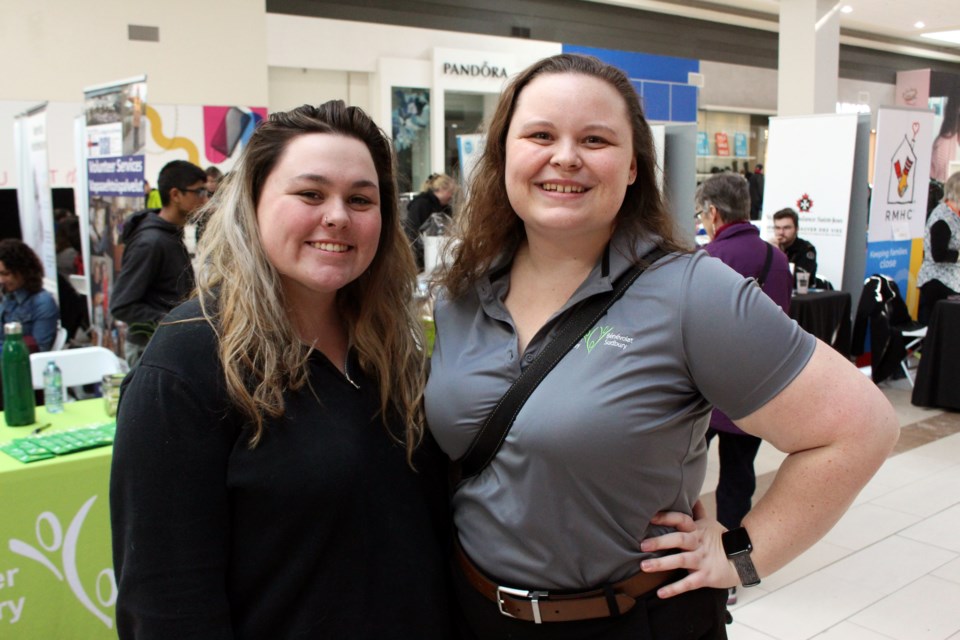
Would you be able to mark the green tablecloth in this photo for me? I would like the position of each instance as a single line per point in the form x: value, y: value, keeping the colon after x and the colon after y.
x: 56, y: 570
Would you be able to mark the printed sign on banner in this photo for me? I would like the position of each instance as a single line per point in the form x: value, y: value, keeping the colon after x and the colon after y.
x: 723, y: 144
x: 703, y: 144
x: 898, y: 208
x: 810, y: 170
x: 890, y: 259
x: 740, y: 145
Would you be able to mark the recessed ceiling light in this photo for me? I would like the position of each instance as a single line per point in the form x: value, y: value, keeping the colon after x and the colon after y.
x: 952, y: 37
x: 846, y: 9
x: 919, y: 24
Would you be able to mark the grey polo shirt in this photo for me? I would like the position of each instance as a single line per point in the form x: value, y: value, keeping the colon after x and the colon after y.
x: 615, y: 433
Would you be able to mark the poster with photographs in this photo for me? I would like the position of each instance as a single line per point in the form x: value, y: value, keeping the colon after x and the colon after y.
x: 115, y: 118
x: 115, y: 139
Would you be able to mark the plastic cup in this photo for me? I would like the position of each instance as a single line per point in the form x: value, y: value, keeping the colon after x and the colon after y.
x: 803, y: 281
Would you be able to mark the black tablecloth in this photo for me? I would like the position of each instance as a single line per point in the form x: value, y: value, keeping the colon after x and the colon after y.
x: 938, y: 377
x: 825, y: 314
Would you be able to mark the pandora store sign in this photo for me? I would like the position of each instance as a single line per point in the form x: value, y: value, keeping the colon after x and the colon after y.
x: 483, y: 71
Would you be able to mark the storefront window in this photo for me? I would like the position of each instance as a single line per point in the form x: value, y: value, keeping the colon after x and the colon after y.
x: 730, y: 142
x: 464, y: 114
x: 410, y: 111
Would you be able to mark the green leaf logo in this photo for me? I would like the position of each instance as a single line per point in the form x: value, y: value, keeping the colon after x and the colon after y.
x: 596, y: 336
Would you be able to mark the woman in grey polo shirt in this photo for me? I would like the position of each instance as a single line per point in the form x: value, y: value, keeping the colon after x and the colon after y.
x: 587, y: 519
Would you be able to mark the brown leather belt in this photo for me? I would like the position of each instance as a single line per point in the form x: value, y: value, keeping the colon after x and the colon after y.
x: 543, y: 606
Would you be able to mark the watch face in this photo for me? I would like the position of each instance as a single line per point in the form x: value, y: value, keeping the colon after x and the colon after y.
x: 736, y: 541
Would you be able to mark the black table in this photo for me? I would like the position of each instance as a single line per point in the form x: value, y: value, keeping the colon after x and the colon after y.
x: 825, y: 314
x: 938, y: 377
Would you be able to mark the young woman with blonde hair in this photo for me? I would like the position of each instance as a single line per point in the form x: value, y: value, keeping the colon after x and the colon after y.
x: 267, y: 480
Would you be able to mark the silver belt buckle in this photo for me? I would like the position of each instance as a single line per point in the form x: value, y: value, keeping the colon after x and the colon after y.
x: 533, y: 596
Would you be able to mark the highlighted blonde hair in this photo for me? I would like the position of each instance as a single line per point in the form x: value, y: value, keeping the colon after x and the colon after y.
x: 242, y: 297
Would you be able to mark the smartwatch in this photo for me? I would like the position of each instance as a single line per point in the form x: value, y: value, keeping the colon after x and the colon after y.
x: 737, y: 546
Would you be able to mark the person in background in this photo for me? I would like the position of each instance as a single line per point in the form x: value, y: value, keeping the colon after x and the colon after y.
x: 801, y: 253
x: 435, y: 196
x: 24, y: 298
x: 67, y: 239
x: 155, y: 272
x: 939, y: 275
x: 214, y: 178
x: 756, y: 180
x: 267, y: 480
x: 945, y: 145
x: 594, y: 491
x: 723, y: 205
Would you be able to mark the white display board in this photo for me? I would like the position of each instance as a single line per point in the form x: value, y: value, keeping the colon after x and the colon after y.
x: 810, y: 169
x: 33, y: 195
x: 901, y: 175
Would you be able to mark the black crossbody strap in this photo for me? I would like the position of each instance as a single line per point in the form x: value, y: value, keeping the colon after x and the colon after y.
x: 495, y: 428
x: 762, y: 278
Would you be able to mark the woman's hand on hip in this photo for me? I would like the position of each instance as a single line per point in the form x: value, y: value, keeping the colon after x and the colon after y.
x: 699, y: 551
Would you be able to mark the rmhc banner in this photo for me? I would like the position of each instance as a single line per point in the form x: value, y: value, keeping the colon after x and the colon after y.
x: 898, y: 208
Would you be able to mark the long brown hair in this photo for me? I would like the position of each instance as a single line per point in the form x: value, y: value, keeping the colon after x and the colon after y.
x: 488, y: 225
x: 260, y: 352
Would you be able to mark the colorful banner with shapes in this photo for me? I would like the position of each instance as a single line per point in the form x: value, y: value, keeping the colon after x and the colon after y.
x: 227, y: 128
x: 901, y: 175
x: 740, y: 145
x: 34, y: 198
x: 201, y: 135
x: 816, y: 184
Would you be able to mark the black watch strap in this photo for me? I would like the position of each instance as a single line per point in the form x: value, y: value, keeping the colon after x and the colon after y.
x: 737, y: 546
x: 745, y: 569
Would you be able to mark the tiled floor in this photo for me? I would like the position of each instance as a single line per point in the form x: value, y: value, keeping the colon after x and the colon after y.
x: 890, y: 569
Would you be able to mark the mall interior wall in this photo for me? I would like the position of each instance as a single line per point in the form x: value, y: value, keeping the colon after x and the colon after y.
x: 597, y: 24
x: 210, y: 52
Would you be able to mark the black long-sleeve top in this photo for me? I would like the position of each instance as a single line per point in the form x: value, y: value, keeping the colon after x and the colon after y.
x: 321, y: 531
x: 939, y: 242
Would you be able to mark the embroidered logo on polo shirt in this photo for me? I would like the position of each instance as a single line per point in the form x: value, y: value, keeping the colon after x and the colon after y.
x: 605, y: 336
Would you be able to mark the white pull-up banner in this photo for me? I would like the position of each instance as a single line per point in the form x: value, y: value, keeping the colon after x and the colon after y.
x: 810, y: 170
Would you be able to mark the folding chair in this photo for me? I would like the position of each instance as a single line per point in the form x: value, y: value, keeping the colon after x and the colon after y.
x: 86, y: 365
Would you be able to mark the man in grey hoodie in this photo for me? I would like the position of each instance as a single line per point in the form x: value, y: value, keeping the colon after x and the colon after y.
x: 155, y: 273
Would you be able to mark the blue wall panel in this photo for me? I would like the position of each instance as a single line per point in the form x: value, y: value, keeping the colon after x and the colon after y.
x: 656, y: 100
x: 660, y: 80
x: 642, y: 66
x: 683, y: 103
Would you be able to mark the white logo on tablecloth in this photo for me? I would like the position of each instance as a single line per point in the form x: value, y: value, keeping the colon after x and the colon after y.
x: 50, y: 538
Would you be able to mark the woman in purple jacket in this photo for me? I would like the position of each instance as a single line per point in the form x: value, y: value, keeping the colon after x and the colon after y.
x: 723, y: 206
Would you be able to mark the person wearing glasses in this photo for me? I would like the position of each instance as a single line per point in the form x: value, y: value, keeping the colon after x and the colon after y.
x: 156, y: 274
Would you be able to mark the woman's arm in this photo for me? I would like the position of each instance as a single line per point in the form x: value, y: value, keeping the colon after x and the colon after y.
x: 837, y: 428
x: 169, y: 509
x: 940, y: 243
x: 44, y: 329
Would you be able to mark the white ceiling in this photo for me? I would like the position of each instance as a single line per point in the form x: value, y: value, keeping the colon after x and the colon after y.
x: 880, y: 19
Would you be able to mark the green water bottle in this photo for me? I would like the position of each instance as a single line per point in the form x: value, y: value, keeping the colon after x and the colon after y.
x: 18, y: 404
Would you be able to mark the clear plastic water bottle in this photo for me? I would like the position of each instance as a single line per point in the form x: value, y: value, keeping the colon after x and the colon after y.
x: 53, y: 388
